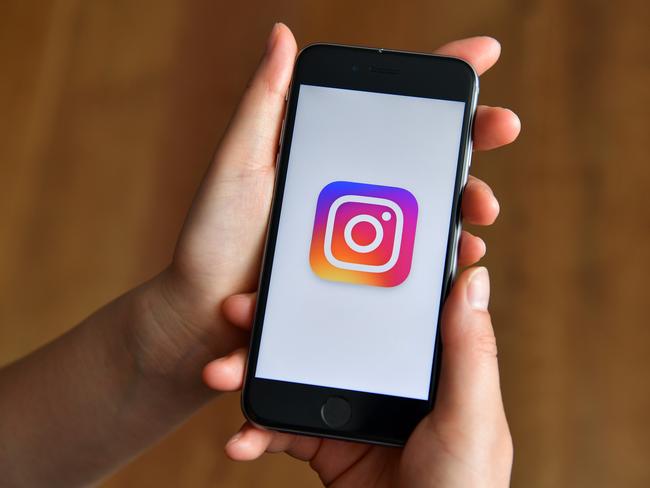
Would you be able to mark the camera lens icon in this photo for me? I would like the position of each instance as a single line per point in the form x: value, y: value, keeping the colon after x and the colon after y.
x: 379, y: 232
x: 360, y: 203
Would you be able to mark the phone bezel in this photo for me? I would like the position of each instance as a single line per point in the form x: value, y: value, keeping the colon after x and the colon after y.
x: 295, y: 407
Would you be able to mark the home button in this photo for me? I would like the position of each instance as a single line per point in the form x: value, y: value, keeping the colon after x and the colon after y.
x: 335, y: 412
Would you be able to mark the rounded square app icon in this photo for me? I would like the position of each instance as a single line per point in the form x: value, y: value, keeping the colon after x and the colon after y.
x: 363, y: 234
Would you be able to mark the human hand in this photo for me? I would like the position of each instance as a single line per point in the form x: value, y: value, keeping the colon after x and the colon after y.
x: 464, y: 441
x: 219, y: 250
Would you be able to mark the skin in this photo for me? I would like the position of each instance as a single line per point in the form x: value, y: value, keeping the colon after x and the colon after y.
x: 465, y: 440
x: 85, y: 404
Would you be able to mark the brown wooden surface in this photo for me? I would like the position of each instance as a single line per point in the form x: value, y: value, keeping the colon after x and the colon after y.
x: 109, y: 113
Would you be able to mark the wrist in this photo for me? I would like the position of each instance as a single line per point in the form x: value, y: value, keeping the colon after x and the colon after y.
x: 164, y: 351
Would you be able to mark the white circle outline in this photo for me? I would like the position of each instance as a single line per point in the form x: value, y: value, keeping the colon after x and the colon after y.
x: 349, y: 240
x: 329, y: 233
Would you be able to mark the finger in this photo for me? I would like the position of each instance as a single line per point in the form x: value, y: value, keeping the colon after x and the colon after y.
x: 298, y: 446
x: 469, y: 384
x: 239, y: 309
x: 479, y: 205
x: 468, y: 421
x: 470, y: 249
x: 481, y: 52
x: 494, y: 127
x: 252, y: 137
x: 249, y: 443
x: 226, y: 373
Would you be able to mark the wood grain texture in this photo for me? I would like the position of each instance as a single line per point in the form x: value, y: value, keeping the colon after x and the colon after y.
x: 109, y: 114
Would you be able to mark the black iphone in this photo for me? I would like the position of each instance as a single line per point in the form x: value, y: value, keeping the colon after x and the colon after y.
x: 362, y: 242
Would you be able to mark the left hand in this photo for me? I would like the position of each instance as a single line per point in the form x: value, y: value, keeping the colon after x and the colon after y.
x: 219, y: 250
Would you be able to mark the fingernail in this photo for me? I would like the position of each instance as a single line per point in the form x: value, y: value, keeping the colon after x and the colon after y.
x: 518, y: 123
x: 495, y: 203
x: 235, y: 438
x: 270, y: 42
x: 484, y: 247
x: 478, y: 289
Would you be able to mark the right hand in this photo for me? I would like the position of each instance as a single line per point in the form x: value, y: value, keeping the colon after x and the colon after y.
x: 463, y: 442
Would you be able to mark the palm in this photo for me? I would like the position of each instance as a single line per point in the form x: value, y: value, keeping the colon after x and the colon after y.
x: 355, y: 465
x: 341, y: 463
x: 346, y: 464
x: 208, y: 268
x: 211, y: 263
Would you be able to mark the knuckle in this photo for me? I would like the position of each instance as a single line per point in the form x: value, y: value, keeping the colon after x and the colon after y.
x: 484, y: 343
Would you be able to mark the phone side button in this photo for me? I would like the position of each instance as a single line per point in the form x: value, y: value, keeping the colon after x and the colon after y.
x: 335, y: 412
x: 284, y: 121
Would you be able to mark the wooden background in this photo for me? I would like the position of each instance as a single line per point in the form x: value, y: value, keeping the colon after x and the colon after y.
x: 110, y: 111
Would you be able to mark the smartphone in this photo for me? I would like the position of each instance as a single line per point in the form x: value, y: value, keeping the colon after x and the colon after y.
x: 361, y: 248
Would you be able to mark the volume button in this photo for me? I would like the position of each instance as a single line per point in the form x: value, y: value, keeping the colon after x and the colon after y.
x: 467, y: 167
x: 284, y: 120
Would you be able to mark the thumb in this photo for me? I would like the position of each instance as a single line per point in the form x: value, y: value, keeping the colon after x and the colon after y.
x: 251, y: 140
x: 469, y: 390
x: 465, y: 441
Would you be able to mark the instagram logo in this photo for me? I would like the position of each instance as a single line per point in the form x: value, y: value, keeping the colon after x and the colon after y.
x: 363, y: 234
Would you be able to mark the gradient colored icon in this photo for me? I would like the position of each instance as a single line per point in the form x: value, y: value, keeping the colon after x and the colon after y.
x: 363, y: 234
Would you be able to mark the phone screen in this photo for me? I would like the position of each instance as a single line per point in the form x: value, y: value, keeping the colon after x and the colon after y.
x: 359, y: 259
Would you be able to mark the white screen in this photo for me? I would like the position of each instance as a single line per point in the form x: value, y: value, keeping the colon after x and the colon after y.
x: 349, y: 334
